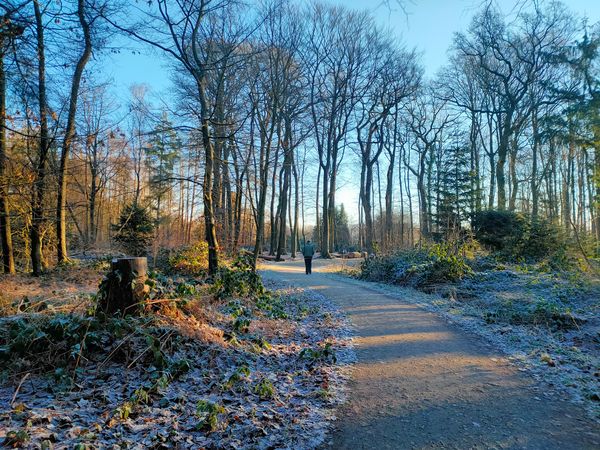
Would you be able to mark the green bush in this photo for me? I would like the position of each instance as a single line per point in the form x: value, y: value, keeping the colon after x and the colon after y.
x: 383, y: 267
x: 515, y: 237
x: 65, y: 336
x: 497, y: 230
x: 135, y: 230
x: 192, y: 260
x: 542, y: 240
x: 445, y: 264
x: 418, y: 267
x: 265, y: 389
x: 547, y: 313
x: 239, y: 280
x: 208, y: 414
x: 320, y: 353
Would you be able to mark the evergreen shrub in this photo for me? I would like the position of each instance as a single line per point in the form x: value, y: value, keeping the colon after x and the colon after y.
x: 135, y: 230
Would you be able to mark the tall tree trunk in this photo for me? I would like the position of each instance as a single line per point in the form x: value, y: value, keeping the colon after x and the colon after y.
x: 380, y: 198
x: 367, y: 177
x: 551, y: 181
x: 474, y: 177
x: 503, y: 148
x: 192, y: 201
x: 501, y: 181
x: 324, y: 224
x: 493, y: 177
x: 262, y: 199
x: 266, y: 140
x: 534, y: 166
x: 401, y: 192
x: 389, y: 191
x: 273, y: 213
x: 410, y: 209
x: 8, y: 262
x: 61, y: 223
x: 288, y: 158
x: 181, y: 204
x: 209, y: 216
x: 239, y: 186
x: 492, y: 161
x: 596, y: 199
x: 91, y: 238
x: 218, y: 132
x: 567, y: 185
x: 41, y: 167
x: 331, y: 210
x: 294, y: 240
x: 226, y: 202
x: 283, y: 206
x: 512, y: 202
x: 318, y: 226
x: 423, y: 199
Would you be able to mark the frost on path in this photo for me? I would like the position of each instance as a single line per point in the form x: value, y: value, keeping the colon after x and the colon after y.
x: 420, y: 382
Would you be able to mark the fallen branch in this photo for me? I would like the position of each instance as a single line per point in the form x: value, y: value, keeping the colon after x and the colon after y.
x: 14, y: 397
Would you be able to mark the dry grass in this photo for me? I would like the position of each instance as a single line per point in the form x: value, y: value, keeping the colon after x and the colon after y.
x: 195, y: 320
x: 67, y: 290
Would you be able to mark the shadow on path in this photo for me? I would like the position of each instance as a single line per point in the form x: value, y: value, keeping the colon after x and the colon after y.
x: 421, y: 383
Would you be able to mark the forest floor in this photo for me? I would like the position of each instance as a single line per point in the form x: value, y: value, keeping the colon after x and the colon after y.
x: 425, y: 381
x: 202, y: 370
x: 66, y: 289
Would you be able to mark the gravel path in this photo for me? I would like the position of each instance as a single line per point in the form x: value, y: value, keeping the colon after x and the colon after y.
x: 422, y: 383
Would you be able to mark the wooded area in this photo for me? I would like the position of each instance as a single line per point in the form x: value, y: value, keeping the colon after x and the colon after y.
x: 271, y: 104
x: 175, y: 302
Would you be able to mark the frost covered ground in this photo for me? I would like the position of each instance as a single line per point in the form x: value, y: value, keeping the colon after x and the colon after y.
x: 199, y: 379
x: 547, y: 323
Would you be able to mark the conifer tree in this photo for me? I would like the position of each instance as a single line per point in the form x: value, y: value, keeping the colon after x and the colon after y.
x: 161, y: 155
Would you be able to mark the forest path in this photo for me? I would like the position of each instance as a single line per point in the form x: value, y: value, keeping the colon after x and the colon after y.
x: 421, y: 383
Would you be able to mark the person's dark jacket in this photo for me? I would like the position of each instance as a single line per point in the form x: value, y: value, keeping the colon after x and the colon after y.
x: 309, y: 250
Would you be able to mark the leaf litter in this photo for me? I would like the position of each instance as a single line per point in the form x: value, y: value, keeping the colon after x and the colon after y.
x: 190, y: 380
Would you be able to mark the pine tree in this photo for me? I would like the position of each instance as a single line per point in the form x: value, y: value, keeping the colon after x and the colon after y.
x: 455, y: 190
x: 161, y: 155
x: 342, y: 230
x: 134, y: 230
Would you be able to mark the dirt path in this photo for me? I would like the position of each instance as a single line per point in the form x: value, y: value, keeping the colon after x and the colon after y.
x: 421, y: 383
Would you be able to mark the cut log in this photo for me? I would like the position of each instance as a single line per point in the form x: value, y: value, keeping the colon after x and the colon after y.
x: 352, y: 255
x: 268, y: 258
x: 123, y: 290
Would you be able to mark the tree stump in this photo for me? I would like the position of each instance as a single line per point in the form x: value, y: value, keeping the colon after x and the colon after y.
x: 124, y: 290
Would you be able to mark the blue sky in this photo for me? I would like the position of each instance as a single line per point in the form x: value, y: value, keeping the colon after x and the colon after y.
x: 427, y: 25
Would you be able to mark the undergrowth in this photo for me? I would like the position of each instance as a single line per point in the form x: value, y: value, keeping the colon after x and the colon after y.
x: 191, y: 260
x: 417, y: 267
x: 550, y: 314
x: 68, y: 354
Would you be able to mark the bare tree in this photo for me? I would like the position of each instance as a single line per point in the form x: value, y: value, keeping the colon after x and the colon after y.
x: 179, y: 30
x: 337, y: 53
x: 61, y: 224
x: 9, y: 31
x: 44, y: 142
x: 427, y: 122
x: 497, y: 55
x: 396, y: 78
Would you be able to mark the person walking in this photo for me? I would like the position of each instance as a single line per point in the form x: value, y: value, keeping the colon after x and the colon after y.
x: 308, y: 251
